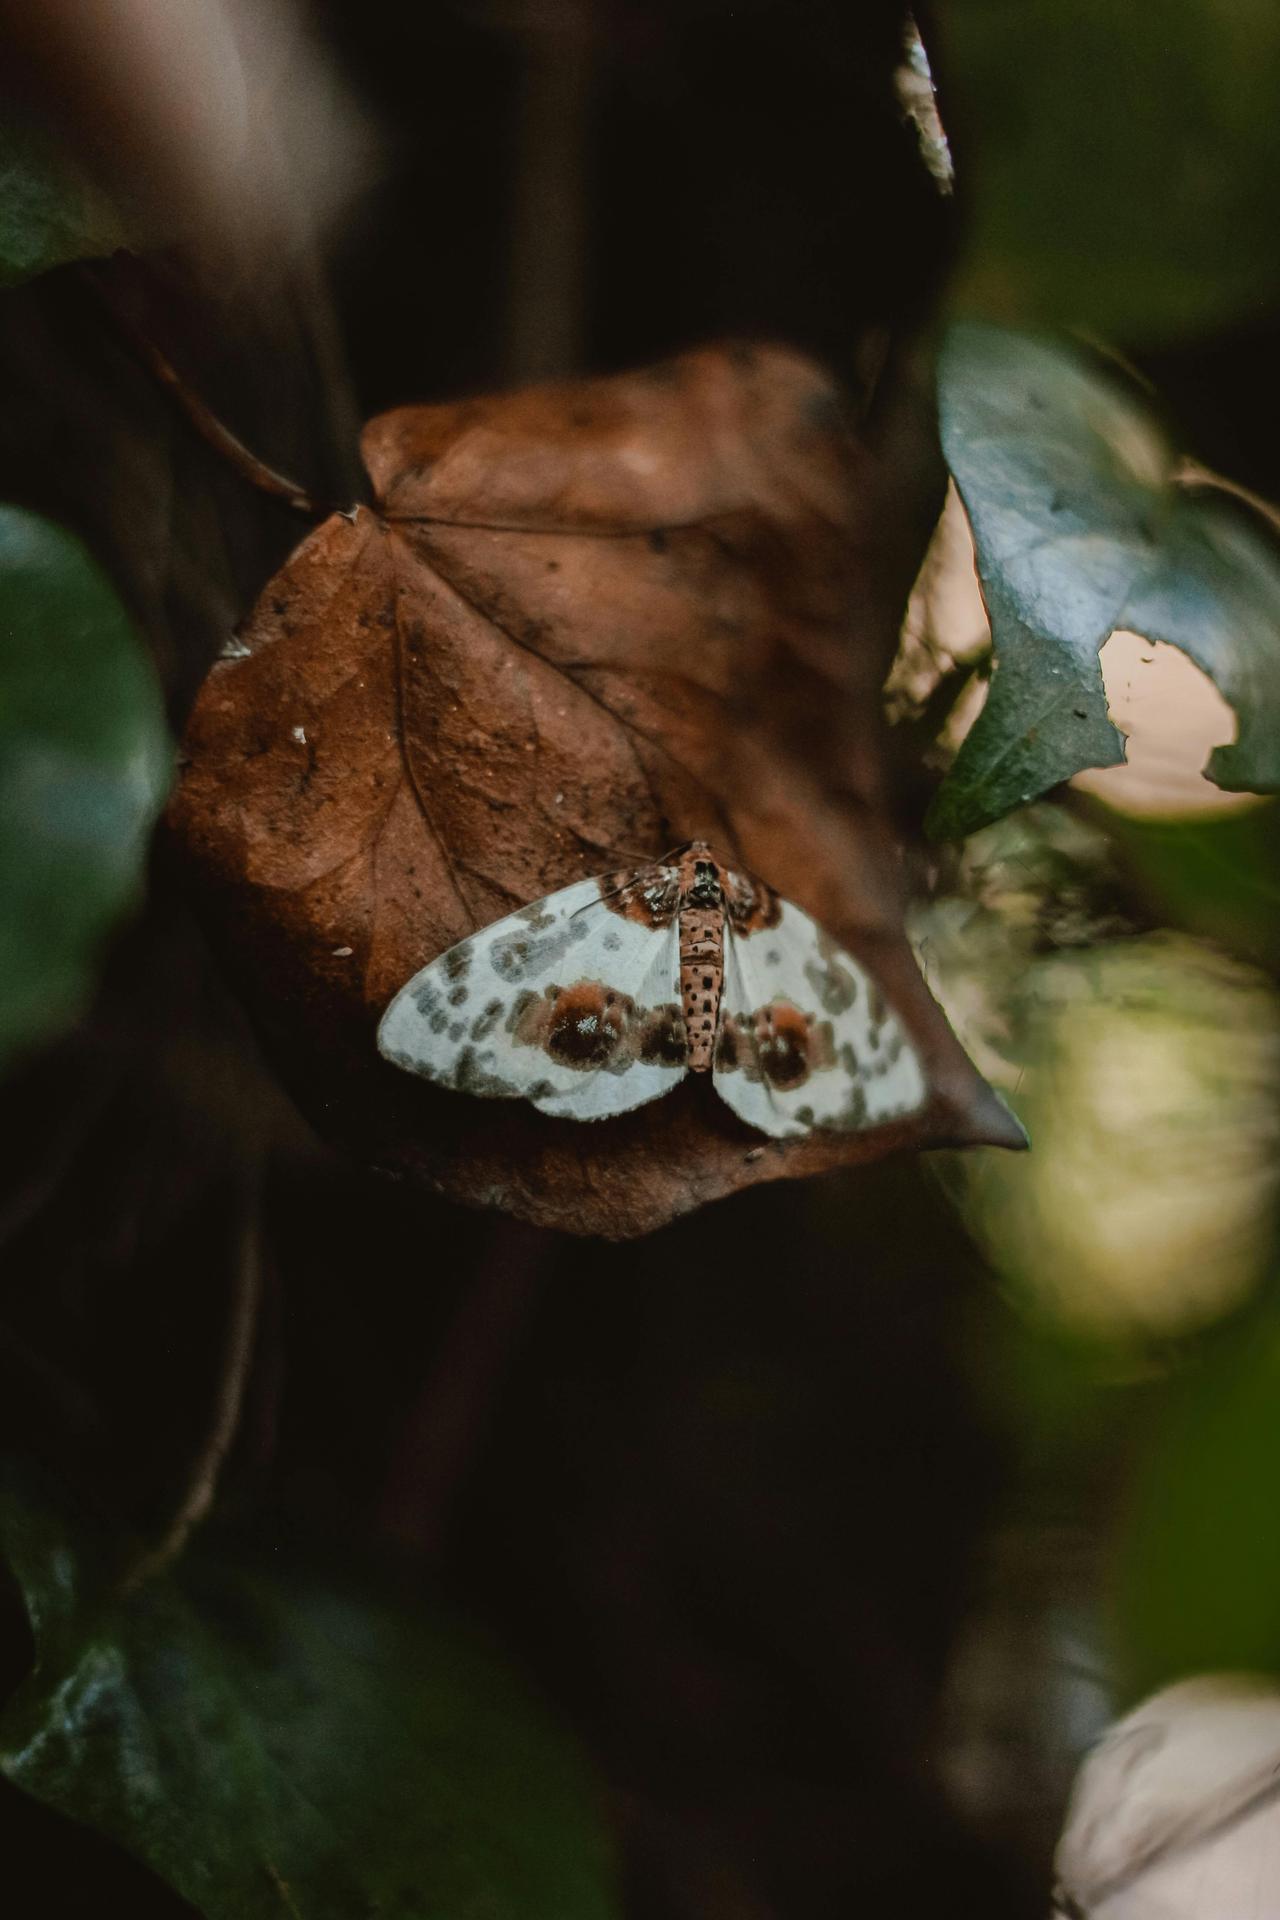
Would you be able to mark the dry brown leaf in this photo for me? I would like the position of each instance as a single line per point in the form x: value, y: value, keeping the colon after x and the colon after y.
x: 583, y: 622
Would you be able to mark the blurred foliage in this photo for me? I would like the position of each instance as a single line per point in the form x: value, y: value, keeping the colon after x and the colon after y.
x: 1067, y: 481
x: 1146, y: 1065
x: 1153, y: 1068
x: 1118, y: 977
x: 84, y: 766
x: 281, y: 1741
x: 1198, y: 1576
x: 1218, y: 878
x: 1121, y: 164
x: 50, y: 210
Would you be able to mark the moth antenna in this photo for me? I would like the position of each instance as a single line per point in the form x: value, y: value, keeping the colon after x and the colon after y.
x: 613, y: 892
x: 644, y: 861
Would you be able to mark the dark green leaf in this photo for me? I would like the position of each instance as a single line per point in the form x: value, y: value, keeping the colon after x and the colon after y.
x: 1121, y: 163
x: 277, y: 1745
x: 50, y: 211
x: 1079, y: 529
x: 1199, y: 1575
x: 1217, y: 877
x: 84, y: 763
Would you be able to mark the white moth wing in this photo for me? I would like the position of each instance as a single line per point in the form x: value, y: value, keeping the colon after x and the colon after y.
x: 657, y: 1055
x: 566, y: 1004
x: 806, y: 1037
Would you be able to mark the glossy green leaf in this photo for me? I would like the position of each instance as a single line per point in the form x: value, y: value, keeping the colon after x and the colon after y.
x: 1068, y: 483
x: 50, y: 211
x: 1198, y: 1586
x: 276, y: 1744
x: 84, y: 764
x: 1121, y: 164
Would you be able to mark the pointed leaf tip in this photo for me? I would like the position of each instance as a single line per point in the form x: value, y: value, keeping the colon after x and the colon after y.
x: 981, y: 1118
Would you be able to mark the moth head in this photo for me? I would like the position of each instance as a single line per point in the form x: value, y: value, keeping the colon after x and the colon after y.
x: 706, y: 890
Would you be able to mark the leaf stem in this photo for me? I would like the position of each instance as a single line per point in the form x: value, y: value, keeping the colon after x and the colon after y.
x: 1190, y: 473
x: 233, y: 1377
x: 206, y: 423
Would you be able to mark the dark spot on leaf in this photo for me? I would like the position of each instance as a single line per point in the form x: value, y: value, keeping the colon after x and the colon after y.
x: 825, y: 412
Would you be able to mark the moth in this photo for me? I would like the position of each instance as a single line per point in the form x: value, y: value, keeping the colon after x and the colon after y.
x: 604, y: 995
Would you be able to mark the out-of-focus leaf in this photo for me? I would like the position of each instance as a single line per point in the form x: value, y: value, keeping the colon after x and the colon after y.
x: 1147, y: 1076
x: 50, y: 211
x: 1219, y: 877
x: 1080, y: 530
x: 1147, y: 1070
x: 272, y: 1745
x: 1199, y: 1572
x: 84, y: 765
x: 1122, y: 163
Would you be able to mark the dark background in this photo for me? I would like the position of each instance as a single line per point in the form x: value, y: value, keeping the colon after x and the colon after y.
x: 725, y: 1491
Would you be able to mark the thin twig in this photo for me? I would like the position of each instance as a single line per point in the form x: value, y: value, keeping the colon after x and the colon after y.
x: 233, y: 1376
x: 206, y: 423
x: 1190, y: 473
